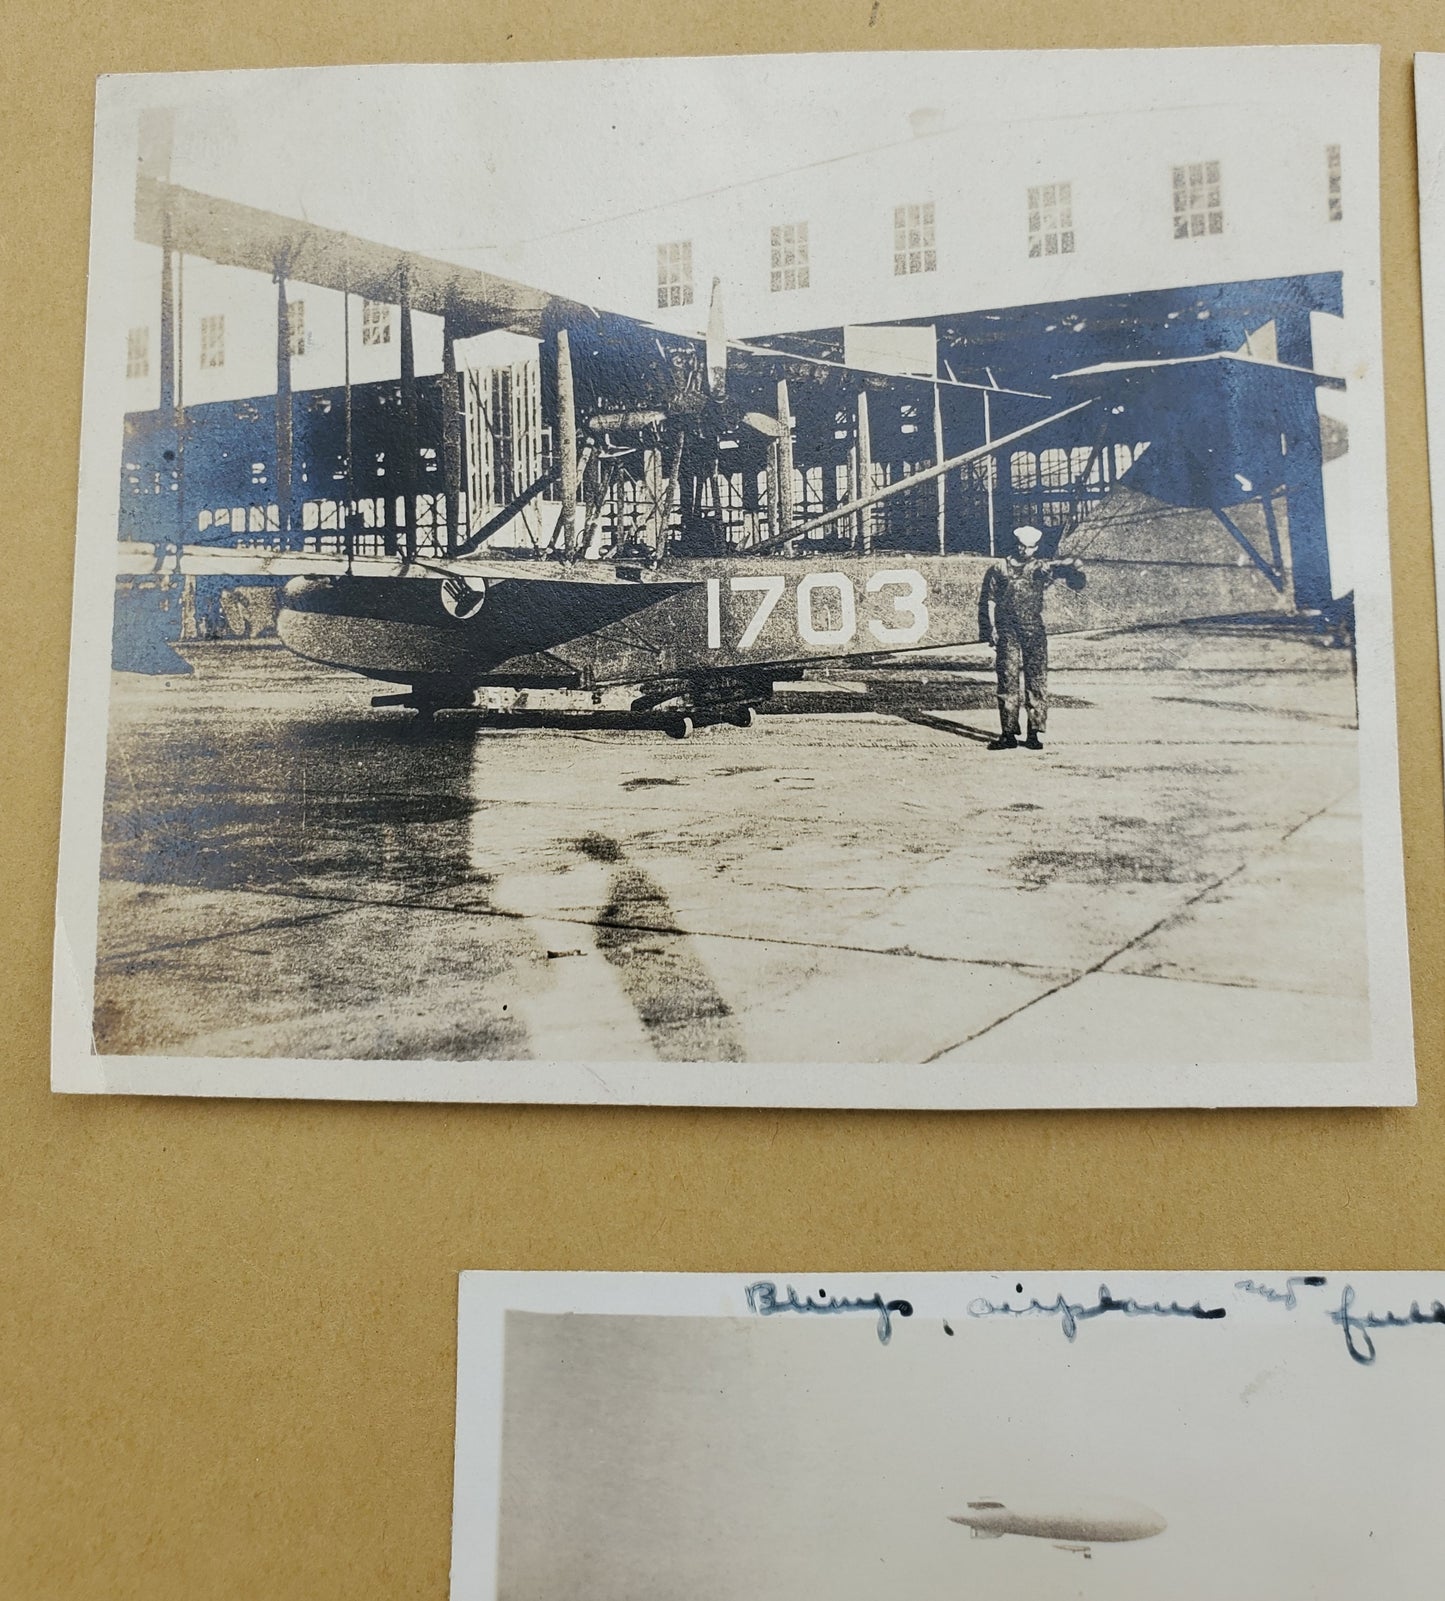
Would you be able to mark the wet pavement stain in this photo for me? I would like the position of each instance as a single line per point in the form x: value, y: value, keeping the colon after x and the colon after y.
x: 665, y: 982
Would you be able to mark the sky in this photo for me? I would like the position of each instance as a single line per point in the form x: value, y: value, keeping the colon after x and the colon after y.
x: 650, y: 1459
x: 466, y: 161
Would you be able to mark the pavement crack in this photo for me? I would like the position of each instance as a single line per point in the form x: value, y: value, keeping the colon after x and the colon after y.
x: 225, y: 933
x: 642, y: 926
x: 1137, y: 939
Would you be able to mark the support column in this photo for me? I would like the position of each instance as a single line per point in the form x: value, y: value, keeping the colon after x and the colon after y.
x: 567, y: 444
x: 167, y: 351
x: 785, y: 459
x: 451, y: 434
x: 864, y: 526
x: 773, y: 494
x: 991, y: 471
x: 409, y: 423
x: 284, y: 433
x: 938, y: 456
x: 352, y: 516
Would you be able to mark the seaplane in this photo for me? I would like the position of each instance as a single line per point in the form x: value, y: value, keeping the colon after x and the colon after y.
x: 725, y: 514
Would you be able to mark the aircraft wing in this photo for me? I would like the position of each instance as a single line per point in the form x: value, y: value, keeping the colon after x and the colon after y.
x: 237, y: 235
x: 137, y: 559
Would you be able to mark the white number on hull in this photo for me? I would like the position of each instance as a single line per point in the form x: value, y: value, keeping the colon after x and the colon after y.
x: 910, y: 604
x: 771, y: 589
x: 907, y: 625
x: 808, y: 630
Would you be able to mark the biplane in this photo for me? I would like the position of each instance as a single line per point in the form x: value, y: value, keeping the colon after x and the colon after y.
x: 704, y: 517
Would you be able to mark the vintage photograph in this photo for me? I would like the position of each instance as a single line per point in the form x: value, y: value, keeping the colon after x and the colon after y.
x: 640, y: 1437
x: 804, y: 580
x: 1430, y: 144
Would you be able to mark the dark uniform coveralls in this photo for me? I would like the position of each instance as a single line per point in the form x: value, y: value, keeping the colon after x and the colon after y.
x: 1014, y: 588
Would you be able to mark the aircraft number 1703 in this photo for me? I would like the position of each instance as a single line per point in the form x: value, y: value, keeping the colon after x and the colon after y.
x: 902, y: 597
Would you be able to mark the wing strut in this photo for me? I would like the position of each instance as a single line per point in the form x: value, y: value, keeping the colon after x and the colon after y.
x: 495, y: 524
x: 852, y: 507
x: 1275, y: 576
x: 567, y: 444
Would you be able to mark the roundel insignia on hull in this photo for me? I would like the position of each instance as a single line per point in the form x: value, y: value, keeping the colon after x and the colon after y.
x: 462, y: 598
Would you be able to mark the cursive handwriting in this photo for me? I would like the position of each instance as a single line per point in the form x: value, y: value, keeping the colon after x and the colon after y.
x: 764, y: 1299
x: 1073, y: 1313
x: 1357, y: 1326
x: 1285, y: 1297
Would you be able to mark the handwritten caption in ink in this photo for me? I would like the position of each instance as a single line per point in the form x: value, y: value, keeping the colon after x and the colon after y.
x: 1072, y: 1313
x: 764, y: 1299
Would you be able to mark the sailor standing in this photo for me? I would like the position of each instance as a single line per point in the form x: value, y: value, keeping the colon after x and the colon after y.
x: 1012, y: 618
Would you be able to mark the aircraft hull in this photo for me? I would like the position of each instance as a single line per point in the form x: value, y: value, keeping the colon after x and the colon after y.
x: 735, y: 616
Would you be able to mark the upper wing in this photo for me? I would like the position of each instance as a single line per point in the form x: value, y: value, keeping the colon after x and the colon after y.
x: 236, y: 235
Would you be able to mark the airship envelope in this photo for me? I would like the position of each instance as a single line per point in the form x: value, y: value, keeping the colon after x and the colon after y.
x: 1086, y: 1519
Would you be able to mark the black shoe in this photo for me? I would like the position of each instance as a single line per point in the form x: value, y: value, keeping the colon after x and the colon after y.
x: 1004, y: 742
x: 1033, y: 742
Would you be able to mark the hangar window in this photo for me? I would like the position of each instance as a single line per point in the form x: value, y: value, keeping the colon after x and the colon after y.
x: 1198, y: 200
x: 1334, y: 196
x: 138, y: 353
x: 674, y: 273
x: 914, y: 248
x: 296, y: 327
x: 213, y: 341
x: 1054, y: 470
x: 375, y: 322
x: 1051, y: 219
x: 789, y: 257
x: 1024, y: 469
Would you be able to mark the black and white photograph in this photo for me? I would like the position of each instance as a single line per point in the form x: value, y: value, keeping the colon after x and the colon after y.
x: 1125, y: 1435
x: 801, y: 580
x: 1430, y: 145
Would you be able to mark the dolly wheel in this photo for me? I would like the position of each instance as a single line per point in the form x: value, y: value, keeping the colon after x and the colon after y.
x: 744, y: 716
x: 680, y: 727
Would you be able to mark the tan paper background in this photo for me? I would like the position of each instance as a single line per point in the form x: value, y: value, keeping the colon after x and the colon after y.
x: 227, y: 1329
